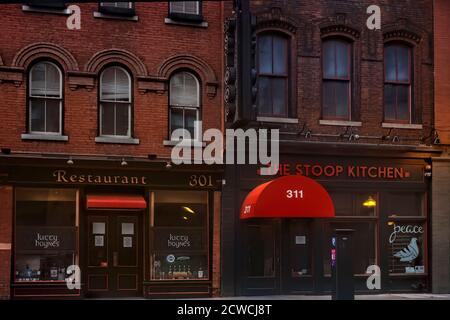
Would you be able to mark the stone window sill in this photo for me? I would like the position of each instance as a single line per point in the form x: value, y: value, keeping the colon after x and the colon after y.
x: 277, y: 120
x: 342, y: 123
x: 64, y: 12
x: 45, y: 137
x: 184, y: 143
x: 402, y: 126
x: 116, y: 140
x: 202, y: 24
x: 113, y: 16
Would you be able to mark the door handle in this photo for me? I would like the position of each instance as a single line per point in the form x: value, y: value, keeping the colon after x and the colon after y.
x: 115, y: 259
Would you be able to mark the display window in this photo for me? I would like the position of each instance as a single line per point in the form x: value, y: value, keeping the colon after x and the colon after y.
x: 179, y: 236
x: 46, y: 233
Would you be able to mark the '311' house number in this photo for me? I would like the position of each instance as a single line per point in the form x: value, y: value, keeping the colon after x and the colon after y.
x: 294, y: 194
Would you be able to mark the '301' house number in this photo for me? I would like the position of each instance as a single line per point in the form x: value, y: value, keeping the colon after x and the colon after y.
x: 200, y: 180
x: 294, y: 194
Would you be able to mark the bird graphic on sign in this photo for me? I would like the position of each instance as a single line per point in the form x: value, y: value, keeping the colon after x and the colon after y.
x: 409, y: 253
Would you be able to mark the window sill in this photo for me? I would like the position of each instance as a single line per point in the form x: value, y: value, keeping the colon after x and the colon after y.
x: 402, y: 126
x: 113, y: 16
x: 44, y: 137
x: 342, y: 123
x: 277, y: 120
x: 202, y: 24
x: 64, y: 12
x: 116, y: 140
x: 184, y: 143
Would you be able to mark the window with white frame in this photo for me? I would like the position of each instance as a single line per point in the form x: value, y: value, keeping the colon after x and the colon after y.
x: 184, y: 102
x: 115, y: 102
x: 185, y: 7
x: 124, y: 5
x: 45, y: 99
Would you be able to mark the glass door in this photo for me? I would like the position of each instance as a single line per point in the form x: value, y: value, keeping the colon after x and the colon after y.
x: 114, y: 255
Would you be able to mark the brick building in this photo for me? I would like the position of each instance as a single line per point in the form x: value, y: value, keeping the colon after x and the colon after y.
x: 441, y: 165
x: 86, y: 122
x: 354, y: 108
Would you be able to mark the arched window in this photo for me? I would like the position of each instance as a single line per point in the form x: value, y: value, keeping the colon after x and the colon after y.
x: 273, y: 75
x: 115, y: 102
x: 45, y: 99
x: 336, y: 79
x: 397, y: 83
x: 184, y: 102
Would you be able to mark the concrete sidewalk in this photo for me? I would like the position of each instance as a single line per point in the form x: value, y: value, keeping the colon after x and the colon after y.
x: 397, y: 296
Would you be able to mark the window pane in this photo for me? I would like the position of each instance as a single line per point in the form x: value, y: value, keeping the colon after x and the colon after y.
x: 264, y: 96
x: 265, y: 54
x: 122, y: 119
x: 403, y: 102
x: 300, y: 245
x: 389, y: 62
x: 279, y: 97
x: 389, y: 102
x: 122, y: 85
x: 52, y: 81
x: 405, y: 204
x: 37, y: 110
x: 189, y: 117
x: 115, y: 85
x: 406, y: 247
x: 116, y: 4
x: 354, y: 203
x: 342, y: 59
x: 188, y: 7
x: 279, y: 55
x: 403, y: 63
x: 45, y: 80
x: 328, y: 100
x: 329, y: 59
x: 53, y: 115
x: 261, y: 250
x: 107, y: 124
x: 45, y: 233
x: 176, y: 119
x: 184, y: 90
x: 342, y: 99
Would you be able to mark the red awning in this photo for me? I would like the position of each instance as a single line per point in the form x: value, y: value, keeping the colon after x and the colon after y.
x: 293, y: 196
x: 115, y: 202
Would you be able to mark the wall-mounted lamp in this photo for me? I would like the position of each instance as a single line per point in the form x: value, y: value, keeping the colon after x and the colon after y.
x: 427, y: 170
x: 370, y: 202
x: 395, y: 139
x: 436, y: 140
x: 123, y: 163
x: 168, y: 165
x: 70, y: 161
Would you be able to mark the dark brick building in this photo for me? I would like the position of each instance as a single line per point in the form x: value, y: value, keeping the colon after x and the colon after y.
x: 86, y: 119
x: 344, y: 98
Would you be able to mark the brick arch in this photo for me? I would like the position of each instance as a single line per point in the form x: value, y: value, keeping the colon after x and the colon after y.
x: 402, y: 30
x: 187, y: 61
x: 45, y: 50
x: 275, y: 19
x: 127, y: 58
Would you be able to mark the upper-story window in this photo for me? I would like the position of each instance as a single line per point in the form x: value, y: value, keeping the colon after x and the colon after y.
x: 336, y: 79
x: 47, y: 4
x: 115, y: 103
x: 184, y: 105
x: 188, y: 10
x: 45, y: 99
x: 273, y: 75
x: 397, y: 83
x: 117, y: 8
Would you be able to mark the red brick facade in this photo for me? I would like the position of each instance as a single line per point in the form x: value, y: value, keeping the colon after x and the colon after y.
x: 307, y: 24
x: 442, y: 69
x: 151, y: 48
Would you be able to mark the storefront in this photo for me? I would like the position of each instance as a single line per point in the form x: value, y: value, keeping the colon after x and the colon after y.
x: 383, y: 196
x: 137, y: 230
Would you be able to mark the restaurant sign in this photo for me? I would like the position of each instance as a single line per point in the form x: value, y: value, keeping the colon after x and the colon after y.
x: 352, y: 171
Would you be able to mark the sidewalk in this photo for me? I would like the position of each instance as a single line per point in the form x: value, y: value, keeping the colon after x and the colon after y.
x: 398, y: 296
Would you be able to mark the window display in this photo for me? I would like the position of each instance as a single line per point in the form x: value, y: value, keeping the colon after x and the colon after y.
x: 46, y: 233
x: 179, y: 236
